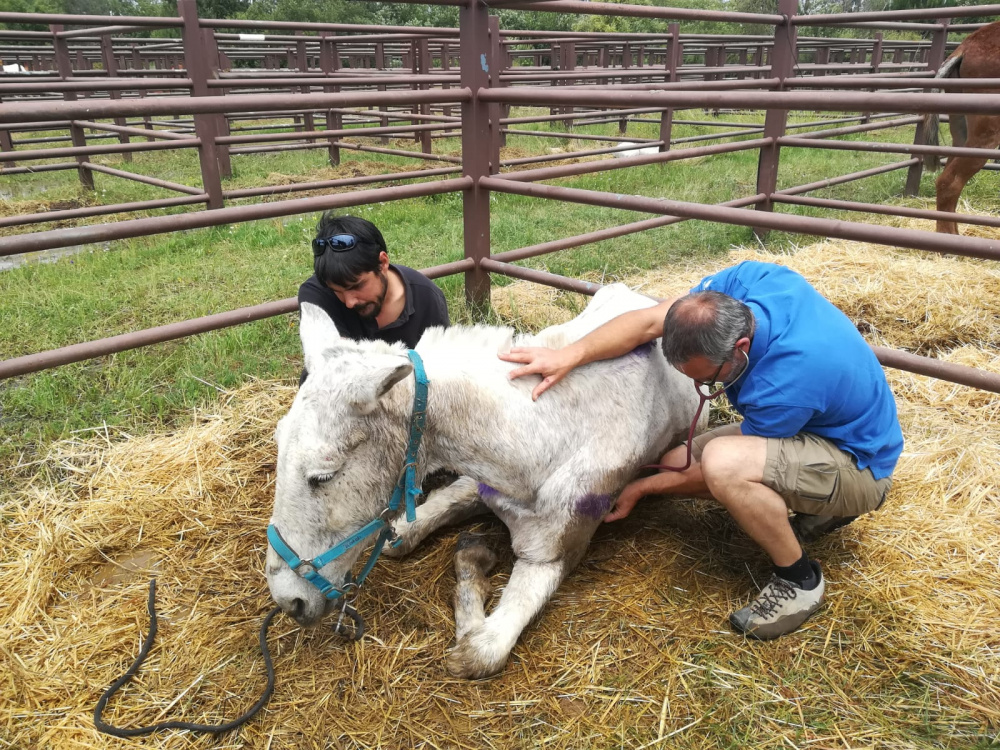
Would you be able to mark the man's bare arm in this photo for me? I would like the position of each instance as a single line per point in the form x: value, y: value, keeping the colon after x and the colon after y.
x: 615, y: 338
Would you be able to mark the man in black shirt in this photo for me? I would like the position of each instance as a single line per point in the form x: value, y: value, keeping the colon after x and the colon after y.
x: 365, y: 296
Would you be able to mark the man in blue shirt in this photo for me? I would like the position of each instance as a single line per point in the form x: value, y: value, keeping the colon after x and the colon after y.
x: 819, y: 435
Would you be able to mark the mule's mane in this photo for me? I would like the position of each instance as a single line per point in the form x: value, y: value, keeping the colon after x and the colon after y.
x: 464, y: 338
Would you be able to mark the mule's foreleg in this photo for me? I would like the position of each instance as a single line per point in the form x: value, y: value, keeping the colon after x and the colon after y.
x: 483, y: 651
x: 451, y: 504
x: 473, y: 562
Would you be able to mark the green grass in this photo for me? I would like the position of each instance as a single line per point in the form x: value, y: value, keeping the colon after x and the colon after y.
x: 150, y: 281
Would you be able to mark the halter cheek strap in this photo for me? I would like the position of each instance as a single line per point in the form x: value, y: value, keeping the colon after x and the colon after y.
x: 405, y: 492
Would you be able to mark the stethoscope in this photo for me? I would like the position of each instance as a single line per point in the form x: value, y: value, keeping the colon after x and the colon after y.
x: 704, y: 396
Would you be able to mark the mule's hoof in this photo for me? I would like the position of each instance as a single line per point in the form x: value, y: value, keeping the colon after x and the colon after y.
x: 465, y: 661
x: 397, y: 552
x: 472, y: 554
x: 469, y: 539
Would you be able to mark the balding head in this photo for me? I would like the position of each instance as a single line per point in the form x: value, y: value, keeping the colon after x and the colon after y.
x: 705, y: 324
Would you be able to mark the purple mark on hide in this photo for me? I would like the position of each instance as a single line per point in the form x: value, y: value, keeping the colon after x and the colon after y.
x: 486, y: 492
x: 643, y: 350
x: 593, y: 506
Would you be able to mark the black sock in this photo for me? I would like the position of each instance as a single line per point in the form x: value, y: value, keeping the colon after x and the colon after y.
x: 801, y: 573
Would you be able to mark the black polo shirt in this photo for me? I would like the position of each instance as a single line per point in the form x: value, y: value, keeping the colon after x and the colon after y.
x: 424, y: 307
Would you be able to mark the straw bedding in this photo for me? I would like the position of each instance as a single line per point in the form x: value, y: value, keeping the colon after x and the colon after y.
x: 633, y: 651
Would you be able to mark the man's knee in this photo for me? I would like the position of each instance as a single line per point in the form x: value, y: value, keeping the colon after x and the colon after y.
x: 731, y: 459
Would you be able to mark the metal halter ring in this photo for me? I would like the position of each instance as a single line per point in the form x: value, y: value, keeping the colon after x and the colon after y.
x: 354, y: 633
x: 305, y: 568
x: 387, y: 517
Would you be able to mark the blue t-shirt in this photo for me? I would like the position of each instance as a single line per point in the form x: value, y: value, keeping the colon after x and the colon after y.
x: 810, y: 370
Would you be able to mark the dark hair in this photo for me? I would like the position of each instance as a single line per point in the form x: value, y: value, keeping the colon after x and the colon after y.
x: 705, y: 324
x: 343, y: 269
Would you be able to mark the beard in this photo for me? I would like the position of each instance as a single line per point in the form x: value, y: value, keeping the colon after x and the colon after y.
x: 370, y: 310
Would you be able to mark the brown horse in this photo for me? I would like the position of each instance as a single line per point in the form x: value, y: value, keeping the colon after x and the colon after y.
x: 977, y: 57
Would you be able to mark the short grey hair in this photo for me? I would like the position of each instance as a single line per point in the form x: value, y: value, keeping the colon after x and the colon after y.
x: 705, y: 324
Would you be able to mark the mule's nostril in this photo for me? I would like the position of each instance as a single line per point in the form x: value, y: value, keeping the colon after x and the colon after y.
x: 298, y: 607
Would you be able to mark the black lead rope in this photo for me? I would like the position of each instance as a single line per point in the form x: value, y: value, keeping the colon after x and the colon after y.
x: 103, y: 726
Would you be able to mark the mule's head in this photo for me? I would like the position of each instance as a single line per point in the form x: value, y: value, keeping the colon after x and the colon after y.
x: 340, y: 449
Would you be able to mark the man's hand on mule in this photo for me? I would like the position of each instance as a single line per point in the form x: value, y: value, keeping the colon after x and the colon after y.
x: 626, y: 501
x: 552, y: 364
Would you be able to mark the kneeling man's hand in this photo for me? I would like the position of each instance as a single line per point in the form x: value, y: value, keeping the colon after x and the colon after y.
x: 552, y: 364
x: 626, y: 501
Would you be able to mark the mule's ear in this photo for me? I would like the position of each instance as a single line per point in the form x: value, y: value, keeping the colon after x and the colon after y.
x: 383, y: 375
x: 317, y: 332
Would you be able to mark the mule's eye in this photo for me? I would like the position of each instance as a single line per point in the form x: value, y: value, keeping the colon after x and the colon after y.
x: 317, y: 479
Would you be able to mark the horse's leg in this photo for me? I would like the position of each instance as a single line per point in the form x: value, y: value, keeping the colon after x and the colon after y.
x: 473, y: 562
x: 547, y: 548
x: 959, y: 129
x: 451, y: 504
x: 483, y: 650
x: 983, y: 133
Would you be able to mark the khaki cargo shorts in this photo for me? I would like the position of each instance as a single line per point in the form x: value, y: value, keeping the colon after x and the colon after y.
x: 812, y: 474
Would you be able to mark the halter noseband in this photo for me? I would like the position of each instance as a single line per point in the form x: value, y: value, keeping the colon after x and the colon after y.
x: 406, y: 488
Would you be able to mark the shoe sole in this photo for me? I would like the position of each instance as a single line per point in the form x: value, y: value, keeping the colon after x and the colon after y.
x: 777, y: 629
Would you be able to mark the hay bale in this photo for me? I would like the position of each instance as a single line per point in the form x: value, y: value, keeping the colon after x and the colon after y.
x: 631, y: 652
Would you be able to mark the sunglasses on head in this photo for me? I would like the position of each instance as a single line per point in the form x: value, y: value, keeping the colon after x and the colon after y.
x: 338, y: 243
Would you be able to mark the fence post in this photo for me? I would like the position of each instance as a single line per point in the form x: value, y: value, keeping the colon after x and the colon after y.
x: 445, y: 67
x: 6, y: 141
x: 137, y: 64
x: 221, y: 121
x: 673, y: 62
x: 474, y: 44
x: 496, y: 65
x: 196, y: 63
x: 382, y: 70
x: 76, y: 133
x: 111, y: 68
x: 935, y: 59
x: 876, y: 63
x: 567, y: 62
x: 329, y: 61
x: 783, y: 57
x: 422, y: 58
x: 303, y: 64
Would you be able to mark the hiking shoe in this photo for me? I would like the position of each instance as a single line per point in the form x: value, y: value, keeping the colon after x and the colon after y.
x: 808, y: 528
x: 780, y: 608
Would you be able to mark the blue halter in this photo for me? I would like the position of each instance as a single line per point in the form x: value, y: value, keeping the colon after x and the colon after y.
x: 406, y: 488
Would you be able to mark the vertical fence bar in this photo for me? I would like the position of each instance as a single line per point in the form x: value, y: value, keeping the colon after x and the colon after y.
x: 329, y: 62
x: 504, y: 62
x: 422, y: 59
x: 76, y: 133
x: 876, y: 63
x: 935, y: 59
x: 303, y: 60
x: 495, y: 68
x: 380, y: 64
x: 783, y: 58
x: 445, y: 67
x: 673, y: 62
x: 196, y: 62
x: 111, y: 68
x: 6, y: 141
x: 567, y: 62
x: 474, y: 44
x: 137, y: 65
x: 211, y: 47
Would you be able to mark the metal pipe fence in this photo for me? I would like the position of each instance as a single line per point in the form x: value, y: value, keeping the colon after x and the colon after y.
x: 326, y: 85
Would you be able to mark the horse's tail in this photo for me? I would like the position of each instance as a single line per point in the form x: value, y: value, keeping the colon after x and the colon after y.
x: 950, y: 69
x: 931, y: 122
